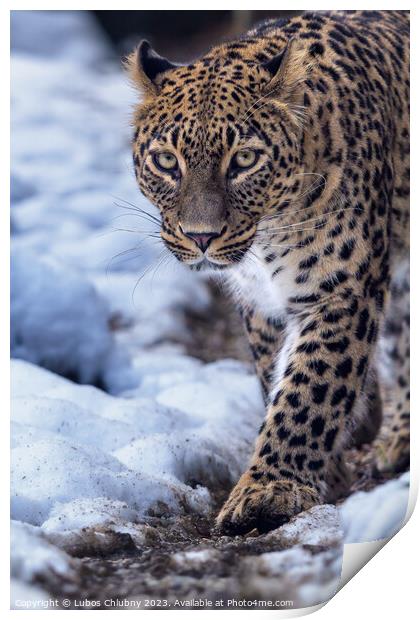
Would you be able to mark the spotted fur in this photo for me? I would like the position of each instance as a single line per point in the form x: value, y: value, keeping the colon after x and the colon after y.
x: 312, y: 239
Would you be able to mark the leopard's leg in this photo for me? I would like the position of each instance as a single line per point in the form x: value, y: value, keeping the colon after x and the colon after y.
x: 328, y: 354
x: 362, y: 429
x: 393, y: 446
x: 338, y: 479
x: 265, y: 337
x: 369, y: 417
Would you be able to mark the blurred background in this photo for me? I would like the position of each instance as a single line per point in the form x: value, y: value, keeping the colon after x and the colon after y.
x: 182, y: 35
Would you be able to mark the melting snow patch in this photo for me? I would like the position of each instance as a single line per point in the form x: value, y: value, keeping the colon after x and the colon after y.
x: 378, y: 514
x: 76, y: 443
x: 33, y: 557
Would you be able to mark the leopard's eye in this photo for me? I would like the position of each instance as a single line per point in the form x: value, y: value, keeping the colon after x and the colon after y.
x: 245, y: 158
x: 165, y: 161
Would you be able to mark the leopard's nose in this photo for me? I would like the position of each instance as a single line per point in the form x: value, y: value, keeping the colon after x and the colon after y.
x: 201, y: 239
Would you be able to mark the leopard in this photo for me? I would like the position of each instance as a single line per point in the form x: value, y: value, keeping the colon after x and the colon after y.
x: 279, y: 163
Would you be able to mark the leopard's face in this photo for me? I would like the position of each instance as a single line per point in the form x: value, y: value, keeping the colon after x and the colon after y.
x: 216, y: 156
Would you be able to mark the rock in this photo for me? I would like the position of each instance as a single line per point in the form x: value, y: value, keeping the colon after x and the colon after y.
x: 320, y: 526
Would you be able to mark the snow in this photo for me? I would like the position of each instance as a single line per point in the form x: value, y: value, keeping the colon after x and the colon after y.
x: 378, y: 514
x: 44, y: 557
x: 76, y: 442
x: 147, y: 429
x: 59, y: 320
x: 95, y: 524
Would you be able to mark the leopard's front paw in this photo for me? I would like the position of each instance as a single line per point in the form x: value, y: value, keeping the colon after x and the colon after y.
x: 264, y: 506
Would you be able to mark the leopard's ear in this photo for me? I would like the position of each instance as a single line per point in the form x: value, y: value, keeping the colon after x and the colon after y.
x: 146, y: 68
x: 287, y: 70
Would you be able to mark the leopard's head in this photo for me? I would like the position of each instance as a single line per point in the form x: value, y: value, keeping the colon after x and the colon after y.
x: 216, y: 147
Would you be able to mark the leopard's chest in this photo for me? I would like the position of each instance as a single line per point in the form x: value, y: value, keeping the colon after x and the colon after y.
x: 262, y: 286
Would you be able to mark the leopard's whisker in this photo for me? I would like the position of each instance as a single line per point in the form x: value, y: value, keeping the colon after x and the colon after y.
x: 133, y: 207
x: 116, y: 256
x: 144, y: 273
x: 312, y: 219
x: 281, y: 215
